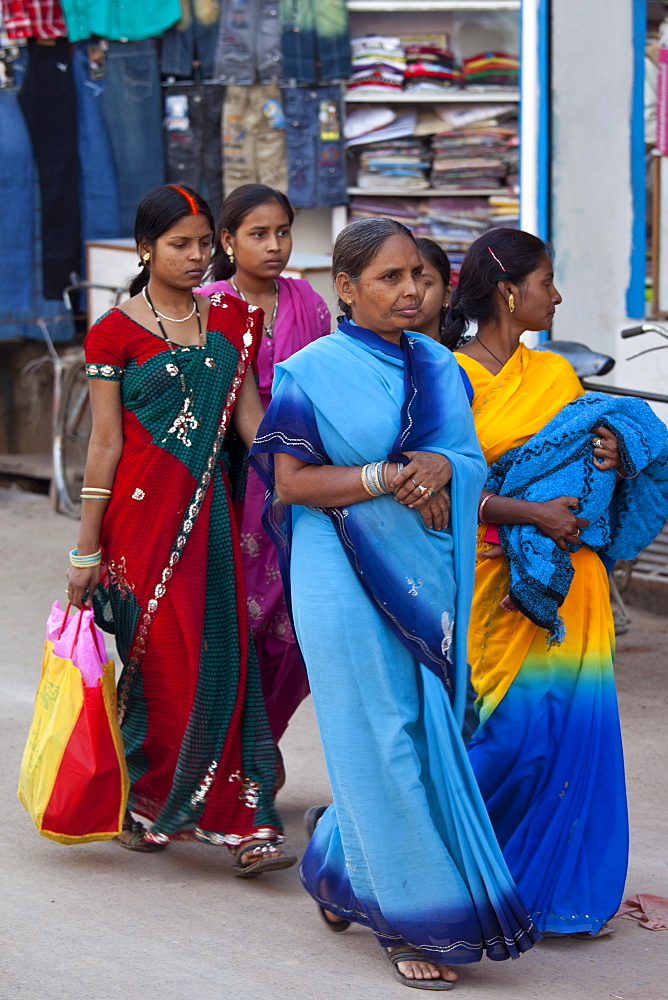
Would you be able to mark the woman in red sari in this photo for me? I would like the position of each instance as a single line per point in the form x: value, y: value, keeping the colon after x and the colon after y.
x: 158, y: 551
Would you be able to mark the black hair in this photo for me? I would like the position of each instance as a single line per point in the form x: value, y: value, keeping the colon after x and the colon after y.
x: 357, y: 245
x: 498, y: 255
x: 235, y: 208
x: 438, y: 259
x: 158, y: 211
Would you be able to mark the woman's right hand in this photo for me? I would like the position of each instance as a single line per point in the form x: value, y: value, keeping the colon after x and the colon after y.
x: 82, y: 582
x: 555, y: 518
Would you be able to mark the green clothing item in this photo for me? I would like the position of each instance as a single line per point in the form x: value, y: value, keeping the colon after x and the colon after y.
x: 119, y: 22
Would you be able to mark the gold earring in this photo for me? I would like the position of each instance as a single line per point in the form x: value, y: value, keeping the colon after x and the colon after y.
x: 145, y: 257
x: 349, y: 302
x: 230, y: 254
x: 511, y: 302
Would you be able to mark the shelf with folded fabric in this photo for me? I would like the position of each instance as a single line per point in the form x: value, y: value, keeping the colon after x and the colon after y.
x: 441, y: 192
x: 453, y: 96
x: 466, y: 6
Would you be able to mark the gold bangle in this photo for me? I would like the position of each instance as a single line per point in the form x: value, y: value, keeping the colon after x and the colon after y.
x: 95, y: 489
x: 366, y: 488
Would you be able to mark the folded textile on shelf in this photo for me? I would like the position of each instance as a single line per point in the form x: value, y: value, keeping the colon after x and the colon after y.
x: 491, y: 69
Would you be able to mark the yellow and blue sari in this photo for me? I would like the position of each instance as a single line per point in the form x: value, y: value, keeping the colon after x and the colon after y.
x: 380, y: 605
x: 547, y: 753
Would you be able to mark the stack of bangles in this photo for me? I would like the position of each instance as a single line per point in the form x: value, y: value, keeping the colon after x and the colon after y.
x: 481, y: 508
x: 85, y: 562
x: 373, y: 478
x: 94, y: 493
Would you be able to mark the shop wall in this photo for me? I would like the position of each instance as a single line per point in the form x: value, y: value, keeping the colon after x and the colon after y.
x: 592, y: 196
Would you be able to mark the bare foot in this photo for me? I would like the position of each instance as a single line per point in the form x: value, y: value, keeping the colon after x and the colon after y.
x: 331, y: 918
x: 425, y: 970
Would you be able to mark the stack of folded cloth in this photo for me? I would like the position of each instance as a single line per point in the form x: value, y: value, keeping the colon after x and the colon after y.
x: 454, y: 223
x: 429, y: 67
x: 393, y: 163
x: 378, y: 63
x: 491, y: 69
x: 477, y: 148
x: 405, y: 210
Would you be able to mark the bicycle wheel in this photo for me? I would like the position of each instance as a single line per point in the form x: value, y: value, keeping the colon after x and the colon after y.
x: 70, y: 442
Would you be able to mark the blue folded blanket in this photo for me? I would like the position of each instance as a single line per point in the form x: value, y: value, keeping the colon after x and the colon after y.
x: 624, y: 516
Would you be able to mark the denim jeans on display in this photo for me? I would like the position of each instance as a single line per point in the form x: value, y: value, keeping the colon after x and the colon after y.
x: 21, y: 301
x: 99, y: 199
x: 315, y: 40
x: 254, y: 137
x: 316, y: 159
x: 48, y: 101
x: 193, y: 138
x: 249, y: 42
x: 131, y: 103
x: 192, y: 39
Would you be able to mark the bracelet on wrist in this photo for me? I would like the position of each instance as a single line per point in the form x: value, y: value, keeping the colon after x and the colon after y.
x: 481, y: 508
x: 87, y: 561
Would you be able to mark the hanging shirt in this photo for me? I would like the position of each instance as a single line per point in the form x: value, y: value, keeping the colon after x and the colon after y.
x: 120, y: 22
x: 33, y: 19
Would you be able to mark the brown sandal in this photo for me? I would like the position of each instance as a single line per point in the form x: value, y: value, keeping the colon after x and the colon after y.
x: 137, y: 840
x: 269, y: 858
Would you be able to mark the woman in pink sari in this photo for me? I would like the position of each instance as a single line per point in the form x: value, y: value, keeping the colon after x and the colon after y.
x: 253, y: 245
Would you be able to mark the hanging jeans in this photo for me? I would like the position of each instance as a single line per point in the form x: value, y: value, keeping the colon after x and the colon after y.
x: 249, y: 42
x: 316, y: 159
x: 315, y: 41
x: 100, y: 203
x: 254, y: 137
x: 192, y: 137
x: 48, y: 101
x: 192, y: 40
x: 131, y: 103
x: 21, y: 301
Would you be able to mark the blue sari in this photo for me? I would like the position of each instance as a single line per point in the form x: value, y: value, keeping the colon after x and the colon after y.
x: 380, y: 605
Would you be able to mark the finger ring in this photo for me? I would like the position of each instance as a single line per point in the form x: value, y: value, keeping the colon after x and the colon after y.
x: 576, y: 532
x: 598, y: 443
x: 431, y: 493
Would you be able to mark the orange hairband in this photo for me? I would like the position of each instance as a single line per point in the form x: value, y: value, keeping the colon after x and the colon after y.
x: 189, y: 198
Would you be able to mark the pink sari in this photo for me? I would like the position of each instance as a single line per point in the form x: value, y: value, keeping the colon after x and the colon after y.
x: 302, y: 317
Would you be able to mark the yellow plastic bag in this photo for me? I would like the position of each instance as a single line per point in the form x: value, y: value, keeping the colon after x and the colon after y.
x: 74, y: 780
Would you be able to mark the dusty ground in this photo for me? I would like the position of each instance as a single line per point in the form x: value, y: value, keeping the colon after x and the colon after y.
x: 96, y: 922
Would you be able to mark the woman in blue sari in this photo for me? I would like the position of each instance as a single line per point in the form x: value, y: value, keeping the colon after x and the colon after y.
x: 370, y: 442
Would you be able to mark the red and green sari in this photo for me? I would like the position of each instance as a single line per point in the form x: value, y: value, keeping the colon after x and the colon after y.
x: 198, y: 745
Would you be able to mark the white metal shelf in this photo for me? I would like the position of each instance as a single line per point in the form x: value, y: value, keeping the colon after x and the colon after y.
x: 430, y: 192
x: 422, y: 97
x: 408, y: 6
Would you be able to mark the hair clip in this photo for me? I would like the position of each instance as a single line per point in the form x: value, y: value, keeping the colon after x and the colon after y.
x: 496, y: 259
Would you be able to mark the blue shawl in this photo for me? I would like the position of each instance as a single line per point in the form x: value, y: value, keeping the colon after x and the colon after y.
x: 623, y: 516
x: 402, y: 566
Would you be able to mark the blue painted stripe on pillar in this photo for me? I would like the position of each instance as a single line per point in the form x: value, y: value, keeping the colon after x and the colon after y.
x: 635, y: 293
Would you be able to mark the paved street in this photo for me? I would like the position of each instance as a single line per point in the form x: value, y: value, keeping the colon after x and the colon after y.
x: 95, y: 922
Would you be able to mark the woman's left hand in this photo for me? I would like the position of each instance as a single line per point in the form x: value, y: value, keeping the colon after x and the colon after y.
x: 426, y: 473
x: 606, y: 449
x: 436, y: 512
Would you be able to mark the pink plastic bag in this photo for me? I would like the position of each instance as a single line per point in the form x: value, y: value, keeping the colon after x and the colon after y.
x: 81, y: 641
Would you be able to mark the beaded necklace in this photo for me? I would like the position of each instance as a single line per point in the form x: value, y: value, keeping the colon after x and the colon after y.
x: 171, y: 346
x: 268, y: 328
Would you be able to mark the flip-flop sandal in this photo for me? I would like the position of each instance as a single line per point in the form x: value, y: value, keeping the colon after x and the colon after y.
x: 271, y: 859
x: 137, y: 840
x: 407, y: 954
x: 311, y: 818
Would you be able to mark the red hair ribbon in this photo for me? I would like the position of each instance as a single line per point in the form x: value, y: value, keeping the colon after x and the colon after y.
x: 189, y: 198
x: 489, y: 248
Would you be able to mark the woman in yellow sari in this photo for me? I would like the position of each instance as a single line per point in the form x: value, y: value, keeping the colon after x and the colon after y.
x: 547, y: 752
